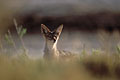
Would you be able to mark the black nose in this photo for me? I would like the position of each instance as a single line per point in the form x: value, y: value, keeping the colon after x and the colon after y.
x: 54, y: 40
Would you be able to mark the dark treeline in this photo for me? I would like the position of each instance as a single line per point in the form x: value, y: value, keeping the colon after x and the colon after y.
x: 105, y: 20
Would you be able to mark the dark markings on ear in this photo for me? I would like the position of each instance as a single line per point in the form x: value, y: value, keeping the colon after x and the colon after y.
x: 44, y: 29
x: 59, y: 30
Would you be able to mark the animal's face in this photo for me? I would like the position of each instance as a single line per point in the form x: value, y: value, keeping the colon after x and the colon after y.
x: 52, y: 36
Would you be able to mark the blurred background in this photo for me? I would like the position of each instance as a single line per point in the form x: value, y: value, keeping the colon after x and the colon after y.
x: 88, y: 24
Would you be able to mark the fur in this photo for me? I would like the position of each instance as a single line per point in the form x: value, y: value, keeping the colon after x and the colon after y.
x: 51, y: 39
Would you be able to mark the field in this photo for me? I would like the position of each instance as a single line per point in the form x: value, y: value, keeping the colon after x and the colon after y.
x: 86, y: 67
x: 20, y: 57
x: 91, y: 31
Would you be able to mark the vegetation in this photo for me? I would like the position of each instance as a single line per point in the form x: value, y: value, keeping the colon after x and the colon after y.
x: 97, y: 66
x: 20, y: 33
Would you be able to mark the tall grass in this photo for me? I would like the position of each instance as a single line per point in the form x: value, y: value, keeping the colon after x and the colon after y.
x: 98, y: 67
x: 20, y: 31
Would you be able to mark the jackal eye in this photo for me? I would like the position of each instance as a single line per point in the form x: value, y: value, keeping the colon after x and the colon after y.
x: 57, y: 33
x: 47, y: 34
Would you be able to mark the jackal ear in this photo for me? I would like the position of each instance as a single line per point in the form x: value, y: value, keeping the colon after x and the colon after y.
x: 44, y: 29
x: 59, y: 29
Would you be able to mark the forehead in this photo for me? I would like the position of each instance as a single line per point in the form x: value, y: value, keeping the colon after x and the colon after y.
x: 52, y: 33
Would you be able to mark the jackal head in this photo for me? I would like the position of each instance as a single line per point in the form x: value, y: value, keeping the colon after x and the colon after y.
x: 51, y: 36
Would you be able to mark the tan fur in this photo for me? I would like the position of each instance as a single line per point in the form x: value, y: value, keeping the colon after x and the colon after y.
x: 51, y: 39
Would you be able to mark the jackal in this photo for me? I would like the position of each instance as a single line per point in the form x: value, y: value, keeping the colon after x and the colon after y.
x: 51, y: 39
